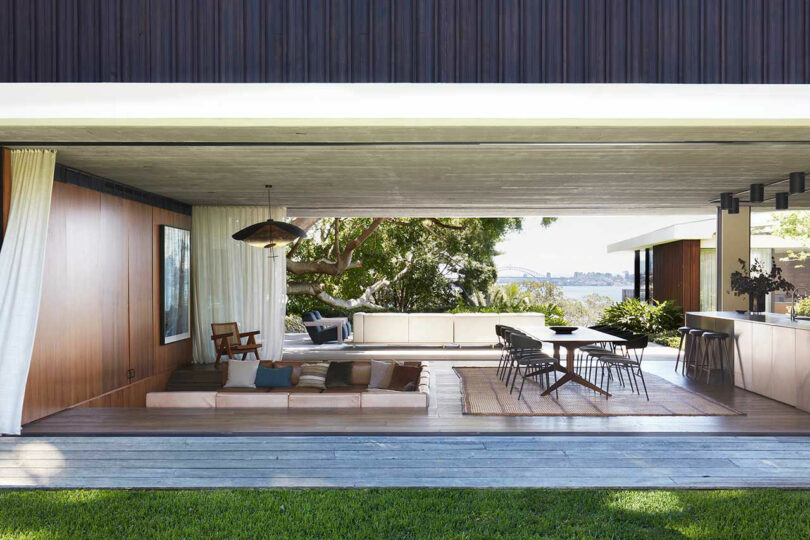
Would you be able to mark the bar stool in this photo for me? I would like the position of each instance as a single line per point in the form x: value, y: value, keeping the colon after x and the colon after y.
x: 684, y: 332
x: 716, y: 351
x: 694, y: 351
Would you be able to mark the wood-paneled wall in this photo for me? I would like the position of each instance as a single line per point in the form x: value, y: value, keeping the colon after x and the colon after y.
x: 676, y: 273
x: 532, y: 41
x: 99, y: 313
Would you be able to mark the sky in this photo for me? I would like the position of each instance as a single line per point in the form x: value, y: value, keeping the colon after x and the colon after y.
x: 579, y: 244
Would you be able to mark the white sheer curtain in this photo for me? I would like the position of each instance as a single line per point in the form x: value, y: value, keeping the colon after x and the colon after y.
x: 22, y: 260
x: 232, y: 281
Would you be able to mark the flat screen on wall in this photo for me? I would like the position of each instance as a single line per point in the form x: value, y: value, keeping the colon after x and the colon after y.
x: 175, y: 284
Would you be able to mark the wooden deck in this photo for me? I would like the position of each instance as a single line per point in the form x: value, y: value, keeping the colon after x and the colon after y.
x: 762, y: 416
x: 384, y: 461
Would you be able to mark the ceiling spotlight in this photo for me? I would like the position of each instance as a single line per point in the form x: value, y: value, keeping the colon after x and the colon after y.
x: 270, y: 233
x: 782, y: 201
x: 725, y: 200
x: 735, y: 206
x: 796, y: 182
x: 757, y: 193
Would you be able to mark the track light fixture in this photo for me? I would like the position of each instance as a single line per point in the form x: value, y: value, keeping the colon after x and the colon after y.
x: 735, y: 206
x: 725, y: 200
x: 782, y: 201
x: 796, y: 182
x: 757, y: 193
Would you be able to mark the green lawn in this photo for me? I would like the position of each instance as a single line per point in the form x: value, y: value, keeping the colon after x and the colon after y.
x: 398, y: 513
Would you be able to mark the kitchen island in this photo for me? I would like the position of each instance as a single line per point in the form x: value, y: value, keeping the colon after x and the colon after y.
x: 770, y: 353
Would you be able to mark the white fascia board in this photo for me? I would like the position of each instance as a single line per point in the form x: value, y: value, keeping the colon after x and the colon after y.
x: 403, y: 104
x: 693, y: 230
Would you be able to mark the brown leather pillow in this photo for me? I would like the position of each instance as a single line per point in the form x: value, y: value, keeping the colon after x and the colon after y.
x: 403, y: 375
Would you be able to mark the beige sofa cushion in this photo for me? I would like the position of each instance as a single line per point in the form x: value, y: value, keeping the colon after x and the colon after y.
x: 531, y: 323
x: 385, y: 328
x: 475, y: 328
x: 361, y: 373
x: 242, y: 373
x: 265, y: 400
x: 430, y: 328
x: 389, y: 399
x: 333, y: 400
x: 181, y: 400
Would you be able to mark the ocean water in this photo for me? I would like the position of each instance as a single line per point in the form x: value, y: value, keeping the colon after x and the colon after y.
x: 579, y: 292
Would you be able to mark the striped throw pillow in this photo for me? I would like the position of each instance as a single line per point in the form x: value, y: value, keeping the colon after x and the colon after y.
x: 313, y: 375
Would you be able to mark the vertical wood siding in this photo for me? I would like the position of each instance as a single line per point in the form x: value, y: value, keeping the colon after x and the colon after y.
x: 530, y: 41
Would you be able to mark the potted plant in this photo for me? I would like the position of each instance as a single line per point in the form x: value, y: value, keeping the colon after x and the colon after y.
x: 756, y: 282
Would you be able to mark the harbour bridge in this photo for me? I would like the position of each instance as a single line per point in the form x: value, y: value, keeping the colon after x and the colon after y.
x: 525, y: 272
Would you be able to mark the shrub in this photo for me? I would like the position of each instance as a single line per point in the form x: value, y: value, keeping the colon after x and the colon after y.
x: 643, y: 317
x: 293, y: 324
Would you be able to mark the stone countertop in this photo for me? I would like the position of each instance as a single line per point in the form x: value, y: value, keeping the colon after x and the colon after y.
x: 774, y: 319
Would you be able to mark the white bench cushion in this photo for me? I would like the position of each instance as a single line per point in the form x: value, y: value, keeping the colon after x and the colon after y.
x: 430, y: 328
x: 531, y: 323
x: 262, y: 400
x: 385, y: 328
x: 389, y: 399
x: 475, y: 328
x: 181, y: 400
x: 324, y: 401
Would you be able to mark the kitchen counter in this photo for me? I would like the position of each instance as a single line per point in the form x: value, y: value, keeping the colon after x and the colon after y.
x: 770, y: 354
x: 775, y: 319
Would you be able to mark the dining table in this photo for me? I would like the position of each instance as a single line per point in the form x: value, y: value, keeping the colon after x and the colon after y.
x: 580, y: 337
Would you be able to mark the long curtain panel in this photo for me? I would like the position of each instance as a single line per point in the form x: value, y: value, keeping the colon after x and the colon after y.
x: 232, y: 281
x: 22, y: 261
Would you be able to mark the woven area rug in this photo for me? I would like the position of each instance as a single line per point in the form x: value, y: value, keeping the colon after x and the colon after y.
x: 484, y: 394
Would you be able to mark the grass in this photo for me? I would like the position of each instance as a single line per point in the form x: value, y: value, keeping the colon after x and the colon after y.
x: 405, y: 513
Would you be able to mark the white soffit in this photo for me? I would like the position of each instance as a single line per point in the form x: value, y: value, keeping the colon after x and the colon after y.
x: 138, y: 104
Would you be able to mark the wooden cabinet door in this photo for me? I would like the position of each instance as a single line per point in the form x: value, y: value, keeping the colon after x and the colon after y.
x: 803, y: 369
x: 743, y: 367
x: 762, y: 355
x: 783, y: 379
x: 141, y: 327
x: 114, y: 316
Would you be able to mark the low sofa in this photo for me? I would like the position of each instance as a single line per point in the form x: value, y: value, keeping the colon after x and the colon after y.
x: 357, y: 396
x: 440, y: 328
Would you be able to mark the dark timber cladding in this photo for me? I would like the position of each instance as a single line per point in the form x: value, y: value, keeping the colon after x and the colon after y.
x: 532, y: 41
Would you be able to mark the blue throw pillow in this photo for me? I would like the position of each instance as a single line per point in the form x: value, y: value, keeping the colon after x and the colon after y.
x: 273, y: 377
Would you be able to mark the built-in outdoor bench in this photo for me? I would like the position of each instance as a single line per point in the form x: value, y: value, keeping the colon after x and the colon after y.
x: 357, y: 396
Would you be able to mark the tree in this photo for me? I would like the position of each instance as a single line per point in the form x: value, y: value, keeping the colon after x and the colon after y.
x: 794, y: 226
x: 414, y: 264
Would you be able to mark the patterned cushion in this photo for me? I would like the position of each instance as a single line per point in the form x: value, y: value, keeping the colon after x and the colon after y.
x: 313, y: 375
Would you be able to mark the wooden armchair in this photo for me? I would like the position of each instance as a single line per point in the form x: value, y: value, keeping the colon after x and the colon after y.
x: 228, y: 341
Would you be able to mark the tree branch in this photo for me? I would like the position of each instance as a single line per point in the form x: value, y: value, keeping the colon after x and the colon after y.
x: 364, y: 301
x: 438, y: 222
x: 343, y: 260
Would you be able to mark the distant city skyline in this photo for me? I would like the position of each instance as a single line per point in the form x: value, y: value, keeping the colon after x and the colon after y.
x: 579, y: 244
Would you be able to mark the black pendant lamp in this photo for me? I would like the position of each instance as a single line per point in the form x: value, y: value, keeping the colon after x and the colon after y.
x: 757, y: 193
x: 725, y: 200
x: 796, y: 182
x: 270, y: 233
x: 782, y: 201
